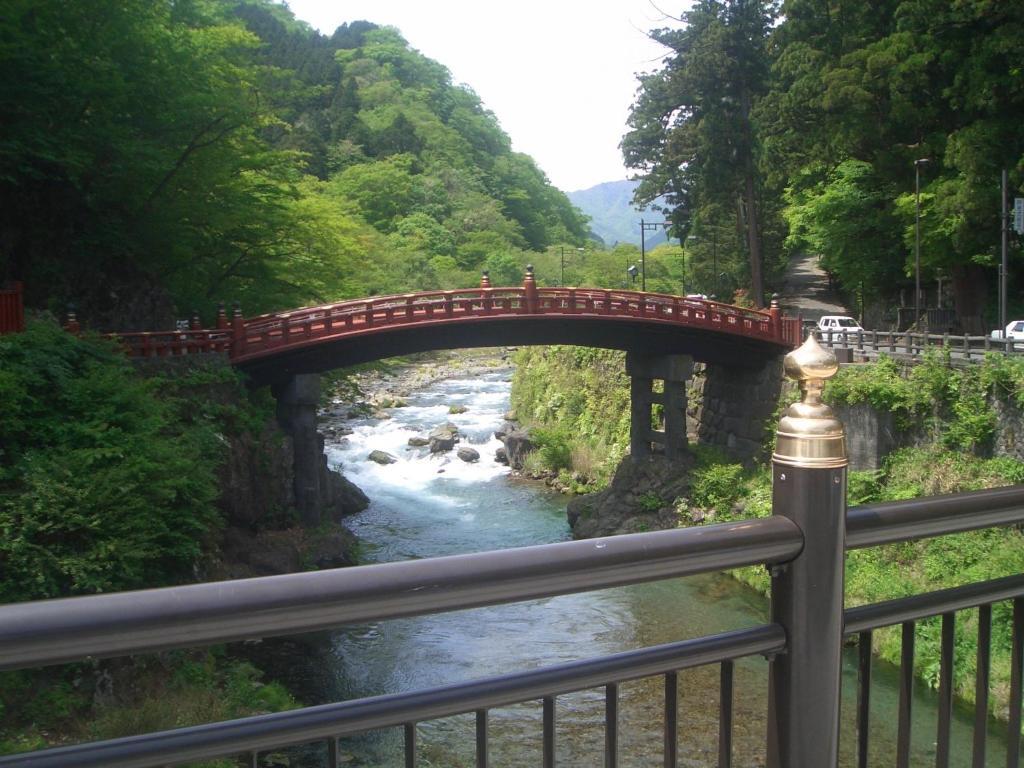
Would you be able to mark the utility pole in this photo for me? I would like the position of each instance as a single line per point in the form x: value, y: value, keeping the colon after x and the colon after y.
x: 917, y: 238
x: 644, y: 226
x: 1002, y: 266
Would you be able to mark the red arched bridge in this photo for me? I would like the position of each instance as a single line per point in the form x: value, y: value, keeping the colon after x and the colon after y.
x: 275, y: 346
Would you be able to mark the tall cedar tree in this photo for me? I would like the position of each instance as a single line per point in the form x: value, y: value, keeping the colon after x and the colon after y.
x: 692, y: 136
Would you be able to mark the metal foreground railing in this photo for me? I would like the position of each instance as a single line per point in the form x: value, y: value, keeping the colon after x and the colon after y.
x: 803, y: 544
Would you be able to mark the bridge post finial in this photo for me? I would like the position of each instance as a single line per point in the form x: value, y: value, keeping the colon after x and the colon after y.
x: 485, y: 279
x: 530, y: 289
x: 809, y: 488
x: 194, y: 323
x: 71, y: 324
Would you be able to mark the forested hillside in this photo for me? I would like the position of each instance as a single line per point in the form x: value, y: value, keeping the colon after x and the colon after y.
x: 796, y: 126
x: 159, y: 157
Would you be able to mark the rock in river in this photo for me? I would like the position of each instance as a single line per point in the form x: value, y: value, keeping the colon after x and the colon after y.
x: 443, y: 438
x: 468, y: 454
x: 382, y: 457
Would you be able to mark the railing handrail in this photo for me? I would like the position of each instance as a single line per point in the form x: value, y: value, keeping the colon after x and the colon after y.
x: 330, y: 721
x: 914, y: 342
x: 870, y: 525
x: 864, y: 618
x: 68, y: 629
x: 38, y: 633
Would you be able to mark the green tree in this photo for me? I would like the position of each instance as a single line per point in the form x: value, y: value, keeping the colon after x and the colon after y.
x: 849, y: 221
x: 692, y: 134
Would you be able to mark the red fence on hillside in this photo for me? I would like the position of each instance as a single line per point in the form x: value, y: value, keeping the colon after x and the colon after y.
x: 12, y: 309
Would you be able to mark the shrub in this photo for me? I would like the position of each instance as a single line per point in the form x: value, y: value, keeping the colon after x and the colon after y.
x: 553, y: 447
x: 103, y: 484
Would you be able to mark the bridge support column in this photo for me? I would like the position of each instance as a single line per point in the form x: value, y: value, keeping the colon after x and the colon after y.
x: 809, y: 488
x: 674, y: 371
x: 297, y: 401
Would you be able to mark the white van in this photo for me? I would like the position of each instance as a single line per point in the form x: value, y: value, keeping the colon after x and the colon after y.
x: 837, y: 324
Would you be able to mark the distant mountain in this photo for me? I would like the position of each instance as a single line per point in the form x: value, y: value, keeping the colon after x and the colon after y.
x: 613, y: 216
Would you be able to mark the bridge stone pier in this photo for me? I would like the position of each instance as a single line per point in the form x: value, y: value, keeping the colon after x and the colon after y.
x: 730, y: 407
x: 674, y: 371
x: 297, y: 400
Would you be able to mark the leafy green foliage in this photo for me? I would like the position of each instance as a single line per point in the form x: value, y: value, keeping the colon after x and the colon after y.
x: 553, y: 447
x: 103, y: 484
x: 692, y: 131
x: 716, y: 485
x: 44, y: 708
x: 848, y: 219
x: 954, y: 403
x: 161, y: 156
x: 591, y: 413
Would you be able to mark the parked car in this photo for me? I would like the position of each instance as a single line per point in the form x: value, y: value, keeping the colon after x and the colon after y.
x: 1014, y: 331
x: 837, y: 324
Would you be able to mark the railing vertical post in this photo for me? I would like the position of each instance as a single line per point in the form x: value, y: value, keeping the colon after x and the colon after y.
x: 530, y: 290
x: 485, y: 286
x: 775, y: 312
x: 71, y: 324
x: 809, y: 487
x: 222, y: 317
x: 238, y: 342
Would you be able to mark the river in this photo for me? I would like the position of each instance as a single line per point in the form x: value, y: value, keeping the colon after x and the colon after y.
x: 429, y: 505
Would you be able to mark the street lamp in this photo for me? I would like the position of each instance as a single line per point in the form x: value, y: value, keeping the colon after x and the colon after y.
x: 646, y: 226
x: 917, y: 237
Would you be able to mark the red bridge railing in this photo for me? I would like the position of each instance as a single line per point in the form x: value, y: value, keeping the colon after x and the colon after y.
x: 244, y: 338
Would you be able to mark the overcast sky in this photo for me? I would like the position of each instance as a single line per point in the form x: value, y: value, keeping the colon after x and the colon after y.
x: 559, y: 74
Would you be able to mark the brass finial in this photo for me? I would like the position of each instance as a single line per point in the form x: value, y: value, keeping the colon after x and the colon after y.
x: 809, y: 434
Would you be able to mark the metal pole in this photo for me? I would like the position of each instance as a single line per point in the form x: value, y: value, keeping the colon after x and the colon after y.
x: 561, y: 271
x: 809, y: 488
x: 917, y: 241
x: 1002, y: 267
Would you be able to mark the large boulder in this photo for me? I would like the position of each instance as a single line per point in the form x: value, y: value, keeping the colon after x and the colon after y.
x: 381, y: 457
x: 443, y: 438
x: 501, y: 456
x: 517, y: 446
x: 469, y: 455
x: 343, y: 497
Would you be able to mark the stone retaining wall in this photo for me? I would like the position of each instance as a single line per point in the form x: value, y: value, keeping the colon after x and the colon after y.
x: 730, y: 408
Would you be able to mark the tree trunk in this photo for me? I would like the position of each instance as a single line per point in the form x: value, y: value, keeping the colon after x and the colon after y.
x: 750, y: 205
x: 753, y: 239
